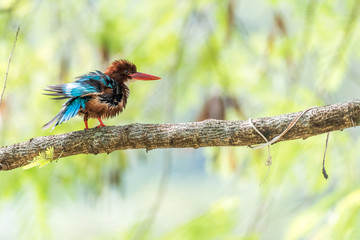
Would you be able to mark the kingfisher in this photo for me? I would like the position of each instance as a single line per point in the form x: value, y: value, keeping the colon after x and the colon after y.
x: 96, y: 94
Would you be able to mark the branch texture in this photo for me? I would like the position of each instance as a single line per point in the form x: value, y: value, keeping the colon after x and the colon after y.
x: 208, y: 133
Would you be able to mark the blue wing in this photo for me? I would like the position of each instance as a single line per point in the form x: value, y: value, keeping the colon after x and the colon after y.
x: 78, y: 93
x: 92, y: 82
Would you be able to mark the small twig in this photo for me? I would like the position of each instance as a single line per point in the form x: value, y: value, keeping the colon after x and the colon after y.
x: 326, y: 176
x: 277, y: 138
x: 8, y: 66
x: 269, y: 160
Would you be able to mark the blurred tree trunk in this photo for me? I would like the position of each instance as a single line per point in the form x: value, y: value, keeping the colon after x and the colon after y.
x: 208, y: 133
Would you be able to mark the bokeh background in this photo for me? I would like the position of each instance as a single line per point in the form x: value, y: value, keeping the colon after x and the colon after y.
x: 224, y: 59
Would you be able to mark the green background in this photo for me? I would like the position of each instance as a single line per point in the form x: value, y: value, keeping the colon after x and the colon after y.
x: 224, y: 59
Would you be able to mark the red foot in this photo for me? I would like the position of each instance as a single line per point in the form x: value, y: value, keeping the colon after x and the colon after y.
x: 101, y: 123
x: 86, y: 125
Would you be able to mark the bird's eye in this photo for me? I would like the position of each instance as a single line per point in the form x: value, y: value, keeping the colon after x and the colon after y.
x: 126, y: 71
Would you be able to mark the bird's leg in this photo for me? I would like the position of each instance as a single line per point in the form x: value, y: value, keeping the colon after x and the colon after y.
x: 101, y: 123
x: 86, y: 121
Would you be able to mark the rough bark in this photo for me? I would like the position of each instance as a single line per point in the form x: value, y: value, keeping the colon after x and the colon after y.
x: 208, y: 133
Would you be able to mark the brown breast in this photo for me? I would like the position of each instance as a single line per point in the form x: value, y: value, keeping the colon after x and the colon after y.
x: 96, y: 108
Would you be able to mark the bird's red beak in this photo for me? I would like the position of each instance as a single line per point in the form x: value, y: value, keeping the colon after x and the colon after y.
x: 143, y: 76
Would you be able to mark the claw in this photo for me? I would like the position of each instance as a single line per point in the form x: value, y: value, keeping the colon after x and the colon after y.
x: 101, y: 123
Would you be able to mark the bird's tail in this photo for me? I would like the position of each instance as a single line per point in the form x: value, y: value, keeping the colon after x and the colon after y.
x: 69, y: 110
x: 57, y: 91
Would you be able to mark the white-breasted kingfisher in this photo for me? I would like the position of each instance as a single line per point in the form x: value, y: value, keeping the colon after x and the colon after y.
x: 96, y: 94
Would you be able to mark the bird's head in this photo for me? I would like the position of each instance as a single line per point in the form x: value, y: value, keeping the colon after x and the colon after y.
x: 125, y: 71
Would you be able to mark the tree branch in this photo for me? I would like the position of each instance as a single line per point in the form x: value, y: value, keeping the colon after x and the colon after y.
x: 208, y: 133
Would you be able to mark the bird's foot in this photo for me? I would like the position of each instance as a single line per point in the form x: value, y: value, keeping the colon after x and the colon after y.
x: 86, y: 125
x: 101, y: 123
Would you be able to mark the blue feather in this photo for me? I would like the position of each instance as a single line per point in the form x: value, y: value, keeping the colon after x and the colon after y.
x: 85, y: 84
x: 69, y: 110
x: 98, y: 76
x: 78, y: 92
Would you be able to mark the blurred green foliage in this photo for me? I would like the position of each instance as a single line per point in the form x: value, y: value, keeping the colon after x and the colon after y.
x: 252, y: 58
